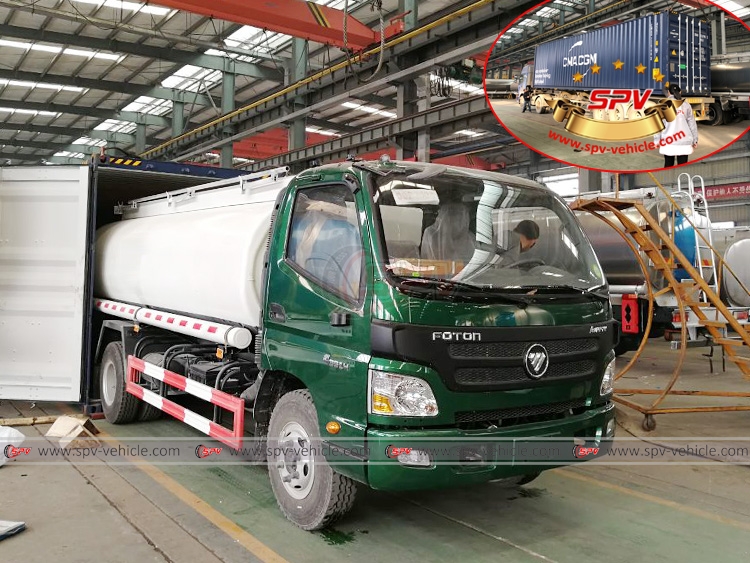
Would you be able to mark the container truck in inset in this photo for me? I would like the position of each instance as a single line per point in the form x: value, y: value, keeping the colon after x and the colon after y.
x: 374, y: 323
x: 645, y: 54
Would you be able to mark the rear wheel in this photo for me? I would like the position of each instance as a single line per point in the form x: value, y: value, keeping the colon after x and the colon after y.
x: 309, y: 492
x: 118, y: 405
x: 715, y: 114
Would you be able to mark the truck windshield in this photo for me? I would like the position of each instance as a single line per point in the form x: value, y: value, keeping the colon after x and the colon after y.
x: 479, y: 231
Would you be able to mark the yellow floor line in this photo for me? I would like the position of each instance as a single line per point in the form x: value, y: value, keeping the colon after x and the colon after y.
x: 657, y: 500
x: 233, y: 530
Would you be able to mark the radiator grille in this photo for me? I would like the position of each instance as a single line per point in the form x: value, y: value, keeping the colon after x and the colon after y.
x: 554, y: 409
x: 517, y: 349
x: 514, y: 374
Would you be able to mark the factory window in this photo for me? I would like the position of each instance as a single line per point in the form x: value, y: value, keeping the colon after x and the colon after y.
x: 324, y: 241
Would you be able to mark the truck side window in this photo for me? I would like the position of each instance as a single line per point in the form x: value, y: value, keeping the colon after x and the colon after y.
x: 324, y: 240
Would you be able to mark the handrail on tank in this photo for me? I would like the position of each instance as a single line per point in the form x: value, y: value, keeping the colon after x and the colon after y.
x: 273, y: 174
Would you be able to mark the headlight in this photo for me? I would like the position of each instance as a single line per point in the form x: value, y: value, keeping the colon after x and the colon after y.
x: 608, y: 380
x: 400, y: 395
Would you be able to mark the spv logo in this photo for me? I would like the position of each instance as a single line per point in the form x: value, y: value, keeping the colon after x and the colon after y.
x: 582, y: 452
x: 608, y: 99
x: 204, y: 451
x: 394, y: 451
x: 11, y: 451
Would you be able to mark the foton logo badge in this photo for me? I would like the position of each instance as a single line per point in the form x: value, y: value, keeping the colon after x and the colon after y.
x: 457, y: 336
x: 536, y: 361
x: 597, y: 329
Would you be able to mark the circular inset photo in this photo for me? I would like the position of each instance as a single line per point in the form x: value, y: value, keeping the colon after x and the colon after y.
x: 618, y: 87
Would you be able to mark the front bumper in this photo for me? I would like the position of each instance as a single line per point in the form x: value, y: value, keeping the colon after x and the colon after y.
x: 467, y: 457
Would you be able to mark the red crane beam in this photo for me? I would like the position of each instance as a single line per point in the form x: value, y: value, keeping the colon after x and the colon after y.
x: 293, y: 17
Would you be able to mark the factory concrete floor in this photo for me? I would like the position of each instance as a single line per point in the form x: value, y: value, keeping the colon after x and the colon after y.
x: 651, y: 512
x: 545, y: 135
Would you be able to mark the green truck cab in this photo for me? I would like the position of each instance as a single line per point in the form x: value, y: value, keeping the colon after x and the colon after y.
x: 416, y: 330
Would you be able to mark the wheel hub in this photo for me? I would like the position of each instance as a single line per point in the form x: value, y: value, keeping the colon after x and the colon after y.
x: 295, y: 460
x: 109, y: 383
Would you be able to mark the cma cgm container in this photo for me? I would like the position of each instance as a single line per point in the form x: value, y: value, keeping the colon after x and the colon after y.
x: 645, y: 53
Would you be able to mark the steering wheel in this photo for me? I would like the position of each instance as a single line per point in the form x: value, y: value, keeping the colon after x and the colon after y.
x: 527, y: 263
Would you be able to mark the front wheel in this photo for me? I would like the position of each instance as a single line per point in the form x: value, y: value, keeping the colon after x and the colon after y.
x: 309, y: 492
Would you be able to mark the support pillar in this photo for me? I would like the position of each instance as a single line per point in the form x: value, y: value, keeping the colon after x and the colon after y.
x: 406, y: 92
x: 589, y: 180
x: 178, y: 118
x: 227, y: 105
x: 424, y: 101
x: 297, y: 71
x: 714, y: 37
x: 410, y: 8
x: 140, y: 138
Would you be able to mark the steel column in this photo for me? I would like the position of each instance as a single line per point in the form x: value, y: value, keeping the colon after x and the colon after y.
x: 424, y: 102
x: 178, y: 118
x: 406, y: 91
x: 227, y: 105
x: 297, y: 71
x: 140, y: 137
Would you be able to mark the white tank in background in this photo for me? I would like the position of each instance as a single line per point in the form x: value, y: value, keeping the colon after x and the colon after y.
x: 197, y: 253
x: 737, y: 258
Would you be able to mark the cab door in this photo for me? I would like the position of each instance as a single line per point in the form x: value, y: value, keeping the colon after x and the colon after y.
x: 316, y: 318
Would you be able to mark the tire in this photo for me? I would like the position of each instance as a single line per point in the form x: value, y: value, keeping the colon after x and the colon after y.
x: 314, y: 495
x: 715, y: 114
x: 119, y: 406
x: 146, y: 412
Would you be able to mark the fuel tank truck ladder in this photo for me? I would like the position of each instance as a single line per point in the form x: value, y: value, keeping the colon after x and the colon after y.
x: 666, y: 257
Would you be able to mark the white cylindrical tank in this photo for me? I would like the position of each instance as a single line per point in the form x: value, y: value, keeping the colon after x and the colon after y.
x: 202, y: 255
x: 737, y: 258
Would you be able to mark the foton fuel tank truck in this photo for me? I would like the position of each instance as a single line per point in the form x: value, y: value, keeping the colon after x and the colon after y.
x: 373, y: 308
